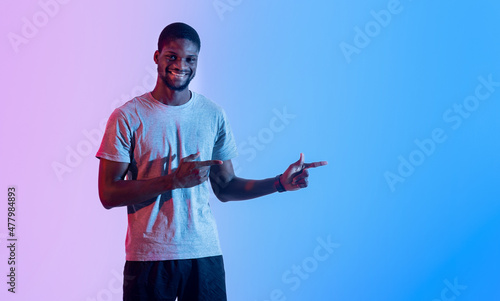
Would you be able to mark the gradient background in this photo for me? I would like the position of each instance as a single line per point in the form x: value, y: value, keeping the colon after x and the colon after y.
x: 439, y: 226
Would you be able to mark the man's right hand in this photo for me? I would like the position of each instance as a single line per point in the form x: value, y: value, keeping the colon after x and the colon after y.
x: 190, y: 173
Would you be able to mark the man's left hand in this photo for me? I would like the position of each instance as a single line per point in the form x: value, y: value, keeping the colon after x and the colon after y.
x: 296, y: 175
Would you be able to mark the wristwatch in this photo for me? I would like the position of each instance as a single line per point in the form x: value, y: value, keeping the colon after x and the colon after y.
x: 278, y: 185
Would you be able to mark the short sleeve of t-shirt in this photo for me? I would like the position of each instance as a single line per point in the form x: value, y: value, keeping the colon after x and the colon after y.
x: 225, y: 146
x: 117, y: 140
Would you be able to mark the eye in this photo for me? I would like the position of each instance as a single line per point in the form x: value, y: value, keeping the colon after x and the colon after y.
x: 191, y: 60
x: 171, y: 57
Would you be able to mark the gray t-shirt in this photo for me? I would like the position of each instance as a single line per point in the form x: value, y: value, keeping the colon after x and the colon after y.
x: 153, y: 137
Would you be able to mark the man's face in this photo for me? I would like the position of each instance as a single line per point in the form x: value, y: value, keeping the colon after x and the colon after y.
x: 177, y: 63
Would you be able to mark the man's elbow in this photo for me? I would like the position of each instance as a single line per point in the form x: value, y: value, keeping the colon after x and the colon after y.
x: 106, y: 204
x: 220, y: 194
x: 106, y: 200
x: 223, y: 198
x: 221, y: 187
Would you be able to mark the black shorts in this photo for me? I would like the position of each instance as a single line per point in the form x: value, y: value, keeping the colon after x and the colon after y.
x: 201, y: 279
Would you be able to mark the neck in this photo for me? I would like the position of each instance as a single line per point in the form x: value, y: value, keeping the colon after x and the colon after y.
x: 170, y: 97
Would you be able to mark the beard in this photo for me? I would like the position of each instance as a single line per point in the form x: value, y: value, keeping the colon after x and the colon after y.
x: 171, y: 85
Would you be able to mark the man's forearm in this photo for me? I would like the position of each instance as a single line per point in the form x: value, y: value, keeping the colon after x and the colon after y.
x: 239, y: 189
x: 130, y: 192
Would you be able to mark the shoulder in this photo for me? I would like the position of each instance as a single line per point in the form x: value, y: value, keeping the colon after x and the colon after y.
x: 129, y: 112
x: 133, y: 106
x: 205, y: 102
x: 209, y: 106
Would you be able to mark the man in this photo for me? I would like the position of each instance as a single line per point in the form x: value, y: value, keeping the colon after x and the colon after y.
x: 168, y: 143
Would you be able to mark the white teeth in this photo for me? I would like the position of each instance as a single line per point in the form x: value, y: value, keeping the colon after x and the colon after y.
x: 179, y: 74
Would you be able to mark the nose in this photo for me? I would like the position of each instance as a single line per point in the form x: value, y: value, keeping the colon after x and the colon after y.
x: 181, y: 64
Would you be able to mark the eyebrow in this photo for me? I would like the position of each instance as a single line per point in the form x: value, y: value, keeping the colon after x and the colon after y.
x: 172, y: 52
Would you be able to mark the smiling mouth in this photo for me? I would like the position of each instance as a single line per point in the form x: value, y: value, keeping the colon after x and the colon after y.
x: 178, y: 73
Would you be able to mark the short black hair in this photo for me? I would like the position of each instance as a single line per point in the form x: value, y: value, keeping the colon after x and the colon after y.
x: 176, y: 31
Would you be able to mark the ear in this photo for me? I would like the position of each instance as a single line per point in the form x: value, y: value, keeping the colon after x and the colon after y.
x: 156, y: 55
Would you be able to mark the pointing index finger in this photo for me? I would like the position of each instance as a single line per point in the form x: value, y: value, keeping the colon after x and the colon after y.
x: 207, y: 163
x: 315, y: 164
